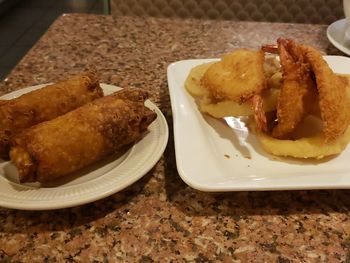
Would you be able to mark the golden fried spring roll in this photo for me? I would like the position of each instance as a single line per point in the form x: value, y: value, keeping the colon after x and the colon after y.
x: 45, y: 104
x: 81, y: 137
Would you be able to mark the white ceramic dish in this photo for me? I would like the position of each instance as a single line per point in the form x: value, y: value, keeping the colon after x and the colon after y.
x: 336, y: 35
x: 217, y: 155
x: 95, y: 182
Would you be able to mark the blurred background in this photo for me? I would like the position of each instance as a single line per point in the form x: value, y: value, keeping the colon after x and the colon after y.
x: 23, y: 22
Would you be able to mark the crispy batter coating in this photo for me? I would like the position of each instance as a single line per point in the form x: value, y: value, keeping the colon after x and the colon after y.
x: 45, y: 104
x: 238, y: 76
x: 228, y: 108
x: 334, y: 100
x: 81, y: 137
x: 137, y: 95
x: 310, y: 90
x: 298, y: 91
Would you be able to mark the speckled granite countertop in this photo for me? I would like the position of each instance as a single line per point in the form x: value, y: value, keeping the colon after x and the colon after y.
x: 160, y: 218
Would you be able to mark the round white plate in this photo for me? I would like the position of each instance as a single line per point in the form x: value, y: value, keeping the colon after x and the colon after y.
x: 89, y: 184
x: 336, y: 35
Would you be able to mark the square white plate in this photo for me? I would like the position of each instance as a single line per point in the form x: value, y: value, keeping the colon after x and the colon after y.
x: 212, y: 155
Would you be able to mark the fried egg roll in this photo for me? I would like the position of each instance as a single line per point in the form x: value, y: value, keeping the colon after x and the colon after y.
x: 55, y: 148
x: 45, y: 104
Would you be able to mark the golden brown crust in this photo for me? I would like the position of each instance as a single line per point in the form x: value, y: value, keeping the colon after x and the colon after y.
x: 298, y: 91
x: 85, y: 135
x: 45, y: 104
x: 238, y: 76
x: 334, y: 100
x: 227, y: 108
x: 24, y: 163
x: 133, y: 94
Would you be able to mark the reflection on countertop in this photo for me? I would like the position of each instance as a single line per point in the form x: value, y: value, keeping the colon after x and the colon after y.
x: 160, y: 218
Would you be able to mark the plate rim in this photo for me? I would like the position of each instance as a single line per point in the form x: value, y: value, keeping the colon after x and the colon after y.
x: 196, y: 184
x: 149, y: 162
x: 333, y: 41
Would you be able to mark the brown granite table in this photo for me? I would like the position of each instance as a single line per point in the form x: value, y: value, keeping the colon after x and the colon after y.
x: 160, y: 218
